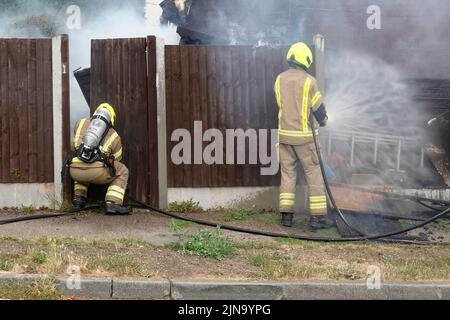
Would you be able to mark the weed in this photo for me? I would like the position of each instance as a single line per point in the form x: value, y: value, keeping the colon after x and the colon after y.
x: 8, y: 261
x: 178, y: 226
x: 207, y: 244
x: 27, y: 209
x: 238, y: 215
x: 185, y: 207
x: 39, y: 257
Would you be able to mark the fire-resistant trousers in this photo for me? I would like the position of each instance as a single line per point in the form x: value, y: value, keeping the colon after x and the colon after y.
x: 290, y: 156
x: 84, y: 176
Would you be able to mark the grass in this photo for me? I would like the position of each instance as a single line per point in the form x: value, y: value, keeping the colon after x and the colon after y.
x: 444, y: 223
x: 284, y: 267
x: 188, y: 206
x: 118, y: 263
x: 237, y: 215
x: 45, y: 289
x: 39, y: 257
x: 280, y: 259
x: 207, y: 244
x: 179, y: 226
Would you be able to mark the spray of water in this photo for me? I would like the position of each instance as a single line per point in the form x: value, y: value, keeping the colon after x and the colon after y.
x: 365, y: 93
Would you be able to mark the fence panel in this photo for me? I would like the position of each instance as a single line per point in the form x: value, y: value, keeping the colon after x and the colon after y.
x: 224, y: 87
x: 26, y: 109
x: 119, y: 76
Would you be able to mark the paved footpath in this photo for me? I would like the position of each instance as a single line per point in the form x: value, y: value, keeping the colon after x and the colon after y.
x: 222, y: 290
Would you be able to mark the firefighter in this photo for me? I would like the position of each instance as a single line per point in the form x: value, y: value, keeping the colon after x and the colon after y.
x: 97, y: 152
x: 299, y: 98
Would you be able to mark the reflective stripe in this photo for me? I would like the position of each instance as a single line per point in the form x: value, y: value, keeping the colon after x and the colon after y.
x: 109, y: 142
x: 115, y: 194
x: 287, y: 196
x: 318, y: 199
x: 80, y: 187
x: 317, y: 206
x: 278, y: 96
x: 278, y: 90
x: 78, y: 133
x: 305, y: 104
x: 118, y: 154
x: 316, y: 98
x: 301, y: 134
x: 116, y: 189
x: 287, y: 203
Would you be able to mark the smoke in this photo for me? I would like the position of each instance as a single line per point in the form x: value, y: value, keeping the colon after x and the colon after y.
x: 99, y: 20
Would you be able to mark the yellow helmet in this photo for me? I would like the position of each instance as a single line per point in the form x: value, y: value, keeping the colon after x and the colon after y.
x: 111, y: 110
x: 300, y: 53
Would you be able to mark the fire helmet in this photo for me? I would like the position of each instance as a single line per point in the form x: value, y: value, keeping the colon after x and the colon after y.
x: 300, y: 54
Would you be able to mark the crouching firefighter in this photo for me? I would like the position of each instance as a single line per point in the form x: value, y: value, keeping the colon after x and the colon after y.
x: 95, y: 159
x: 299, y: 98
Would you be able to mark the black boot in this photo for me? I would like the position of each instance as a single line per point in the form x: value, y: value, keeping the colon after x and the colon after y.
x: 79, y: 203
x: 115, y: 209
x: 321, y: 222
x: 287, y: 219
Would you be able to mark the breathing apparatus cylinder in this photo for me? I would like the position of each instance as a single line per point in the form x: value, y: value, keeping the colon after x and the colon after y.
x: 96, y: 132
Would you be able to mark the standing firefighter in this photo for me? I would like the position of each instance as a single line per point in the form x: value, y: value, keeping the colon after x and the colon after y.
x: 97, y: 151
x: 298, y: 97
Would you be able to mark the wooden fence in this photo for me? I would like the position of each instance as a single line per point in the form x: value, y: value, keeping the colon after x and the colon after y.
x: 34, y: 120
x: 225, y: 87
x: 26, y: 108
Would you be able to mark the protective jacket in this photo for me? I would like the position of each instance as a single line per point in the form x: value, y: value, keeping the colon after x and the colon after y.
x: 297, y: 92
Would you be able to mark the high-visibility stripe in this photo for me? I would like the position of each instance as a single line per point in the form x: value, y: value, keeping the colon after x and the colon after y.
x: 278, y: 90
x: 112, y: 193
x: 301, y: 134
x: 318, y: 197
x: 287, y: 194
x: 118, y: 154
x: 318, y: 202
x: 318, y: 207
x: 287, y: 197
x: 78, y: 133
x: 110, y: 141
x: 305, y: 104
x: 80, y: 187
x: 316, y: 98
x: 287, y: 203
x: 117, y: 189
x: 278, y: 96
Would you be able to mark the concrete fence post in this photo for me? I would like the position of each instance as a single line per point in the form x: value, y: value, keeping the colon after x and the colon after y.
x: 61, y: 113
x: 162, y: 121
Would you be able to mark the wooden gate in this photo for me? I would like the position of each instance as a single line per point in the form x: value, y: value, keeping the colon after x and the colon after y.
x: 120, y: 76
